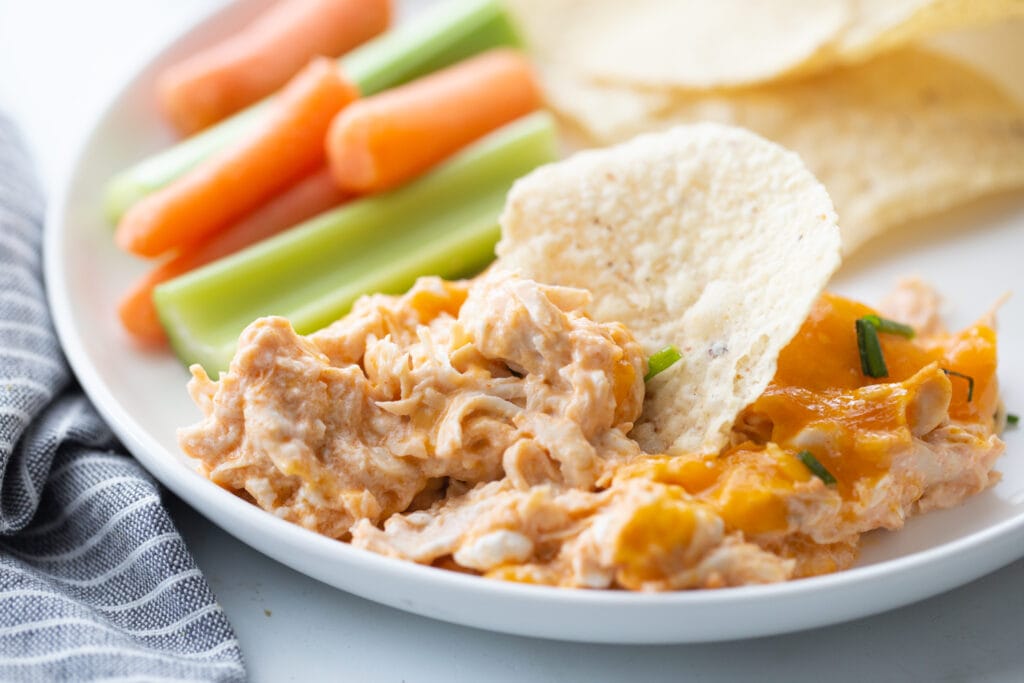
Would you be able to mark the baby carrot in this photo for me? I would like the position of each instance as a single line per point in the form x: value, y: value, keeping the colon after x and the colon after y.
x: 444, y: 223
x: 442, y: 34
x: 229, y: 76
x: 305, y: 199
x: 382, y: 141
x: 226, y: 187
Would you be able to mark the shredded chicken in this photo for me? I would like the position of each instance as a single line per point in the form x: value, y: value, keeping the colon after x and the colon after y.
x: 471, y: 383
x: 484, y: 427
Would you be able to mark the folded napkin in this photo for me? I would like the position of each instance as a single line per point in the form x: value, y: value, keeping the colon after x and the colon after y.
x: 95, y: 581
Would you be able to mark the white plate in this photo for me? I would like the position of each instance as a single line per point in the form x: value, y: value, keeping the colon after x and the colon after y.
x: 972, y: 254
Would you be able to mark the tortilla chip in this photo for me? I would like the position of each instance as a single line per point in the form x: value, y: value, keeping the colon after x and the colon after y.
x: 706, y: 237
x: 682, y: 43
x: 881, y: 25
x: 903, y: 136
x: 696, y: 44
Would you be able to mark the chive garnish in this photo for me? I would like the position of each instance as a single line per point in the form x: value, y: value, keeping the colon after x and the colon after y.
x: 970, y: 382
x: 872, y: 364
x: 1012, y: 419
x: 661, y: 361
x: 816, y: 468
x: 890, y: 326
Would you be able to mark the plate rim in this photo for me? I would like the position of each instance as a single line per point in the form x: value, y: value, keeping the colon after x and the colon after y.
x: 210, y: 500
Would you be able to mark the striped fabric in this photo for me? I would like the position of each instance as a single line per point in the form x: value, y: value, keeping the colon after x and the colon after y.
x: 95, y: 582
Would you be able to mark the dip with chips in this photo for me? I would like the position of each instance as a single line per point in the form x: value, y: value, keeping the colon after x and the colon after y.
x: 648, y: 390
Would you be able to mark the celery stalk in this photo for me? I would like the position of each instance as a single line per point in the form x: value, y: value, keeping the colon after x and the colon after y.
x: 433, y: 40
x: 440, y: 36
x: 152, y: 173
x: 444, y: 223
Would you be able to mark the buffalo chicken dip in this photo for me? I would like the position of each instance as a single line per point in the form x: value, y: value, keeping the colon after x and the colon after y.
x: 484, y: 426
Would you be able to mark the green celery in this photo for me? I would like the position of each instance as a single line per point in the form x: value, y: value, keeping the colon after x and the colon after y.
x: 152, y: 173
x: 440, y: 36
x: 432, y: 40
x: 444, y: 223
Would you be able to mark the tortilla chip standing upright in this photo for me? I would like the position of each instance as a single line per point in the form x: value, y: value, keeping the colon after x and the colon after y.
x: 706, y: 237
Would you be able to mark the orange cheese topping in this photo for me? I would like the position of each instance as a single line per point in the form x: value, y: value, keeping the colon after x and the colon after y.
x: 821, y: 401
x: 429, y: 304
x: 623, y: 376
x: 852, y: 433
x: 654, y: 533
x: 824, y: 355
x: 971, y: 352
x: 754, y: 490
x: 748, y: 486
x: 517, y: 573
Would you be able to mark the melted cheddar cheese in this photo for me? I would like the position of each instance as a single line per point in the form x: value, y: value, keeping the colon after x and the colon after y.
x: 821, y: 401
x: 863, y: 430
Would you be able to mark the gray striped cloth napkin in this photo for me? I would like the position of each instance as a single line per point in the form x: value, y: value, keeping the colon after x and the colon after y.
x: 95, y: 581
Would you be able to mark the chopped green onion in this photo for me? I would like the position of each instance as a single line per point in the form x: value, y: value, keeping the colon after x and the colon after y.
x: 661, y: 361
x: 890, y: 326
x: 872, y: 364
x: 816, y: 468
x: 1012, y: 419
x: 970, y: 382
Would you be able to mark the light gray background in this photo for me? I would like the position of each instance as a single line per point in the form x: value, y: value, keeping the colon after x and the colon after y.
x: 59, y: 62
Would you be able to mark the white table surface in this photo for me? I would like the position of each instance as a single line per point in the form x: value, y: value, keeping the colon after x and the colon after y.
x: 59, y: 62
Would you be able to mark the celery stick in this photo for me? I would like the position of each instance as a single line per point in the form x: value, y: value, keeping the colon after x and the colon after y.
x: 445, y: 224
x: 440, y: 36
x: 150, y: 174
x: 453, y: 32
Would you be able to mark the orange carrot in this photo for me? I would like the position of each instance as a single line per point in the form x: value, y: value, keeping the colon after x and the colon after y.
x: 310, y: 196
x: 221, y: 190
x: 243, y: 69
x: 386, y: 139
